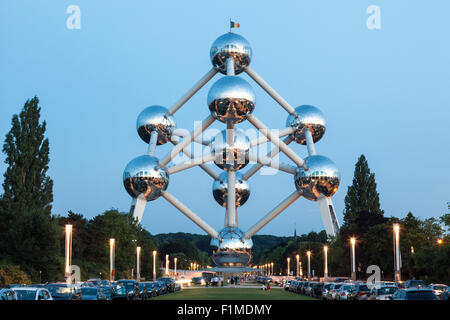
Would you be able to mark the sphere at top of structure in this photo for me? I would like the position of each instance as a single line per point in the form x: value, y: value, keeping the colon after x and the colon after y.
x: 230, y: 238
x: 230, y: 45
x: 155, y: 118
x: 142, y: 176
x: 220, y: 189
x: 234, y: 157
x: 308, y: 117
x: 231, y: 99
x: 321, y: 178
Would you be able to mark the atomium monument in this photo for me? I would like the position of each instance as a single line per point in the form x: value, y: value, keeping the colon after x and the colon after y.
x: 231, y: 100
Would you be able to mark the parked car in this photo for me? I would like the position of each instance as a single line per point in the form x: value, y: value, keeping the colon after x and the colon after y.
x: 361, y: 292
x: 308, y: 288
x: 382, y: 292
x: 287, y: 284
x: 7, y: 294
x: 293, y: 286
x: 127, y: 289
x: 325, y: 289
x: 92, y: 293
x: 316, y: 290
x: 108, y: 291
x: 344, y: 292
x: 414, y: 284
x: 169, y: 282
x: 30, y: 293
x: 438, y: 289
x: 64, y: 291
x: 198, y: 280
x: 183, y: 281
x: 332, y: 291
x: 152, y: 288
x: 414, y: 294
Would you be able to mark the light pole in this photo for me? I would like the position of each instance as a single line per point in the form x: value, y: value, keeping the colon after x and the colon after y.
x: 308, y: 253
x: 112, y: 257
x: 298, y: 264
x: 138, y: 264
x: 397, y: 252
x: 167, y: 264
x: 325, y: 271
x: 352, y: 253
x: 301, y: 270
x: 154, y: 265
x: 68, y: 252
x: 288, y: 266
x: 271, y: 271
x: 175, y: 265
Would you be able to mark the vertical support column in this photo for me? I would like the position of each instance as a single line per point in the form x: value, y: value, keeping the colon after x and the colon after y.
x: 137, y: 207
x: 231, y: 190
x: 310, y: 143
x: 230, y: 67
x: 112, y: 258
x: 152, y: 144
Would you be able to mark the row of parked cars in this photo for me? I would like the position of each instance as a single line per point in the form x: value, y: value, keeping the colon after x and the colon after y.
x: 93, y: 289
x: 357, y: 290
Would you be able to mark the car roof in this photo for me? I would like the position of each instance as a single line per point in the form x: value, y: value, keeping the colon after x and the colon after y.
x: 26, y: 289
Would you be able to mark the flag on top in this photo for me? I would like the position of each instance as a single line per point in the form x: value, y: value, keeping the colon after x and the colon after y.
x: 234, y: 24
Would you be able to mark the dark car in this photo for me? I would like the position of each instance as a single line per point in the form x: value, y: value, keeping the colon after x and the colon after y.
x: 153, y: 288
x: 361, y: 292
x: 169, y: 283
x: 7, y: 294
x: 198, y: 280
x: 127, y: 289
x: 108, y: 291
x: 316, y: 290
x: 92, y: 293
x: 415, y: 284
x: 64, y: 291
x: 414, y: 294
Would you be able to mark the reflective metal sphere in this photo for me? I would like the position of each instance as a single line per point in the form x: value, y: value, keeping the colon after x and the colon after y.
x: 322, y: 177
x: 231, y: 99
x: 154, y: 118
x: 231, y: 45
x: 308, y: 117
x: 230, y: 239
x: 235, y: 157
x: 142, y: 176
x: 220, y: 189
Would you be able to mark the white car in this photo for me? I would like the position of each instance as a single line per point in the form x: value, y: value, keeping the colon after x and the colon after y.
x: 382, y: 293
x: 31, y: 293
x: 344, y: 291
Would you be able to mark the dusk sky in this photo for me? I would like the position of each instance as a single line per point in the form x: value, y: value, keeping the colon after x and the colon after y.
x: 385, y: 93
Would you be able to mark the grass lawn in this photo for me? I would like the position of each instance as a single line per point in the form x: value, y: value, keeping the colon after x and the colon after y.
x: 232, y: 294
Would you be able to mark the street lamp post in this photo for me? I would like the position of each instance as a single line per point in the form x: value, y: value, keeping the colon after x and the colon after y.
x: 325, y: 271
x: 68, y: 254
x: 138, y: 264
x: 353, y: 263
x: 271, y: 271
x: 112, y: 257
x: 397, y: 263
x: 308, y: 253
x: 175, y: 266
x: 288, y: 266
x: 167, y: 264
x: 298, y: 265
x: 154, y: 265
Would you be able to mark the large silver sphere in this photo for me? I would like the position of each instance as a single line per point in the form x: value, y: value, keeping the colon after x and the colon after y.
x: 234, y: 46
x: 231, y: 99
x: 230, y: 238
x: 154, y: 118
x: 227, y: 157
x: 143, y: 176
x: 220, y: 189
x: 322, y: 177
x: 308, y: 117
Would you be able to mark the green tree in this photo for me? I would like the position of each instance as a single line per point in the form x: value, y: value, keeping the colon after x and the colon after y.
x: 362, y: 195
x: 12, y: 274
x: 28, y: 232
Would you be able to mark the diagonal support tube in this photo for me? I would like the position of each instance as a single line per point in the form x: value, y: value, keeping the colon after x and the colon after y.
x: 276, y: 141
x: 263, y: 84
x: 263, y: 139
x: 205, y: 167
x: 266, y: 161
x: 310, y: 143
x: 152, y: 143
x: 272, y: 214
x: 191, y: 215
x: 187, y: 140
x: 271, y: 154
x: 204, y: 80
x: 190, y: 163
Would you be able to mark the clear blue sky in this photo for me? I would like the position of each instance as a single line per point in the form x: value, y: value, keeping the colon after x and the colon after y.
x: 385, y: 93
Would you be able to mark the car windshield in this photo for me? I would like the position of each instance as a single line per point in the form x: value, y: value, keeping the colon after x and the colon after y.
x: 89, y: 291
x: 442, y: 288
x: 387, y: 290
x: 26, y: 294
x: 416, y: 283
x: 58, y: 291
x: 420, y: 295
x: 107, y: 290
x: 337, y: 286
x: 346, y: 288
x: 363, y: 287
